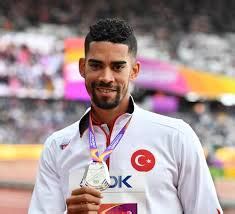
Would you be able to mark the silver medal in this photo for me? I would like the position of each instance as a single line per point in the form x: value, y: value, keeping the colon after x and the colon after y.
x: 97, y: 176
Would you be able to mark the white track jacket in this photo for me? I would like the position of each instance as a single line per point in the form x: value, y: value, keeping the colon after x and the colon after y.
x: 164, y: 152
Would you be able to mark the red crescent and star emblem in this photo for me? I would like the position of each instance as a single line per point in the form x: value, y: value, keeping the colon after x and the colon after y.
x: 142, y: 160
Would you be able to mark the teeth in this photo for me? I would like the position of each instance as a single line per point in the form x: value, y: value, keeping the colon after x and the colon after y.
x: 105, y: 90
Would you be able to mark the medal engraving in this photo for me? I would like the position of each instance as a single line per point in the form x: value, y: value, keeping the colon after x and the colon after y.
x: 96, y: 176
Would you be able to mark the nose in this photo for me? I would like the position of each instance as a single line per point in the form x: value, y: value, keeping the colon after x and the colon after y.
x: 106, y: 75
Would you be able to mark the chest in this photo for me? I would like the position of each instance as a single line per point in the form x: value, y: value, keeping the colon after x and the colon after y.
x: 139, y: 161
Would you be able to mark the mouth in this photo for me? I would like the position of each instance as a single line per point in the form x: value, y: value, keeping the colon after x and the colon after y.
x: 105, y: 92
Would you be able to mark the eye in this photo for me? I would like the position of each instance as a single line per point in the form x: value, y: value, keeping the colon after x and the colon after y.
x: 95, y: 66
x: 118, y: 67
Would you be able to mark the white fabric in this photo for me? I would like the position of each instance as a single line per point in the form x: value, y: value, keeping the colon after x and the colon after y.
x: 180, y: 181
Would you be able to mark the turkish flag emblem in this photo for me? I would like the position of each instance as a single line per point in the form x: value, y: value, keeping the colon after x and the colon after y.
x: 143, y: 160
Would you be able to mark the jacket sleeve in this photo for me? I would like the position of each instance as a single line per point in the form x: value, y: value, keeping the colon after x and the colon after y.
x: 196, y: 189
x: 47, y: 195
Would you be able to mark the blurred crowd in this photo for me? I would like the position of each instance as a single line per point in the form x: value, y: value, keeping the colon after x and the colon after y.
x: 31, y: 121
x: 214, y: 126
x: 144, y: 14
x: 27, y: 67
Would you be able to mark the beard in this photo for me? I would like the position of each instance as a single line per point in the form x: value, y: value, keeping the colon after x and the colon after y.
x: 105, y: 102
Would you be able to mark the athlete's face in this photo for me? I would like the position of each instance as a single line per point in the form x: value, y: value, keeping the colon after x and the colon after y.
x: 108, y: 69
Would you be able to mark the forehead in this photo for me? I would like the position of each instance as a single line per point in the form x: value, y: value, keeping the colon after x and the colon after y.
x: 108, y: 51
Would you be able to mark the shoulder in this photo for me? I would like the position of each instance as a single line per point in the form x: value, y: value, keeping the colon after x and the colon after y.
x: 161, y: 121
x: 61, y: 138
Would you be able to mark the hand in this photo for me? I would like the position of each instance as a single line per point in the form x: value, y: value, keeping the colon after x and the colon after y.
x: 84, y: 200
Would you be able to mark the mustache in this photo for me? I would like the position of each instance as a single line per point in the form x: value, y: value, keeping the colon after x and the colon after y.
x: 102, y: 84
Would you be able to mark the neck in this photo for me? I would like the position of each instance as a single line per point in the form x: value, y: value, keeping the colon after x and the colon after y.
x: 108, y: 116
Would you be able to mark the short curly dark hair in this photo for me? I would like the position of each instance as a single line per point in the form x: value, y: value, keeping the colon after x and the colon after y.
x: 113, y: 30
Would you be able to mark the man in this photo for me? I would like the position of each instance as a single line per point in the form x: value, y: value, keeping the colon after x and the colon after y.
x: 156, y: 163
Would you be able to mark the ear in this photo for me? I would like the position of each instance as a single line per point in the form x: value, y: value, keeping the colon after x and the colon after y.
x: 135, y: 71
x: 82, y: 63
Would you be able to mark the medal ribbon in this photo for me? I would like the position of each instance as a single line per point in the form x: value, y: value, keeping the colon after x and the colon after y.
x: 107, y: 152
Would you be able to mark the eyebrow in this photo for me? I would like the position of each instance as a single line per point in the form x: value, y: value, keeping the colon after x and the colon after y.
x: 100, y: 62
x: 119, y: 62
x: 94, y: 61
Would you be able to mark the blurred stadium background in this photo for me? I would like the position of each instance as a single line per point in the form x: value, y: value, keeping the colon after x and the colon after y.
x: 187, y: 50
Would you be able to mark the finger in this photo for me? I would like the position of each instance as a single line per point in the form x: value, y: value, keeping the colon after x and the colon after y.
x: 77, y: 208
x: 84, y: 198
x: 87, y: 190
